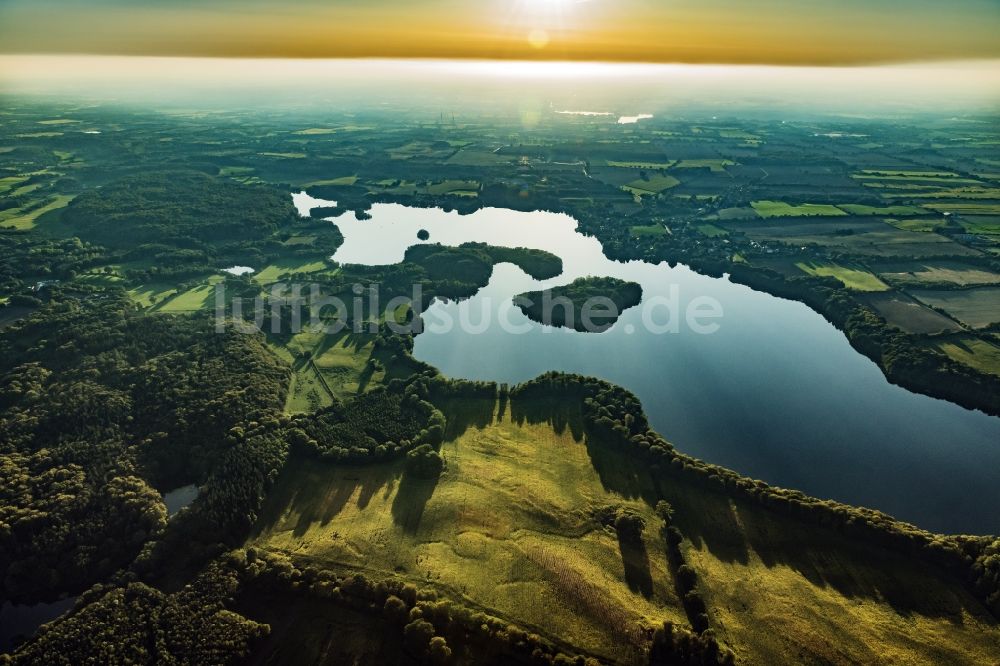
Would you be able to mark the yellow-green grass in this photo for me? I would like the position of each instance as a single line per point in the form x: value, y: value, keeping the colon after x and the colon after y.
x: 919, y: 225
x: 508, y: 527
x: 285, y: 267
x: 192, y: 300
x: 236, y: 170
x: 984, y: 226
x: 313, y: 131
x: 782, y: 593
x: 861, y: 209
x: 737, y: 134
x: 307, y: 392
x: 653, y: 185
x: 648, y: 230
x: 332, y: 365
x: 38, y: 135
x: 916, y: 177
x: 962, y: 208
x: 7, y: 183
x: 712, y: 231
x: 149, y: 295
x: 284, y: 156
x: 641, y: 165
x: 971, y: 193
x: 58, y: 121
x: 453, y: 186
x: 300, y: 240
x: 977, y: 307
x: 712, y: 164
x: 974, y: 353
x: 908, y: 174
x: 767, y: 209
x: 852, y: 278
x: 27, y: 220
x: 25, y: 189
x: 342, y: 180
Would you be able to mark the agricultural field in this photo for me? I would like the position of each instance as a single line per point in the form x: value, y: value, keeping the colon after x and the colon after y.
x: 924, y: 273
x: 973, y: 352
x: 768, y: 209
x: 653, y: 184
x: 717, y: 166
x: 287, y: 267
x: 196, y: 298
x: 24, y: 218
x: 648, y: 230
x: 909, y: 315
x: 900, y: 211
x: 857, y: 279
x: 977, y: 308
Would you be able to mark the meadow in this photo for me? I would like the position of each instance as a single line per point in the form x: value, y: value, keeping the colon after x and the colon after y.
x: 510, y: 526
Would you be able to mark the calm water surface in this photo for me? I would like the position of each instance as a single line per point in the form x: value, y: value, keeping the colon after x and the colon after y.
x: 776, y: 393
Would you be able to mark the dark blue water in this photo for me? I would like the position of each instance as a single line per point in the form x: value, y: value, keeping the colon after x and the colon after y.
x: 776, y: 393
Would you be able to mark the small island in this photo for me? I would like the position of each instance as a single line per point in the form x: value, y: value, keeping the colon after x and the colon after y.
x: 588, y: 304
x: 423, y: 234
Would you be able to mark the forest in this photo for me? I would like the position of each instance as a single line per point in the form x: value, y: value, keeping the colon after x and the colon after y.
x: 587, y: 304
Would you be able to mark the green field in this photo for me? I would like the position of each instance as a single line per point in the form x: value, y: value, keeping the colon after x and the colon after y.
x: 453, y: 187
x: 712, y: 231
x: 909, y: 315
x: 286, y: 267
x: 920, y: 225
x: 860, y: 209
x: 974, y: 353
x: 965, y: 208
x: 852, y: 278
x: 285, y: 156
x: 343, y: 180
x: 648, y: 230
x: 976, y: 307
x: 640, y: 165
x: 196, y: 298
x: 148, y: 295
x: 935, y: 272
x: 27, y: 220
x: 768, y: 209
x: 718, y: 166
x: 654, y: 184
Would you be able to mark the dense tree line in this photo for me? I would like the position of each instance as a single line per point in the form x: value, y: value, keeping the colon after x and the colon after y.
x: 575, y: 306
x: 376, y: 424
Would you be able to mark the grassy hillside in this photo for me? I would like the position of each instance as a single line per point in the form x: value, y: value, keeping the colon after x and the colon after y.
x: 510, y: 527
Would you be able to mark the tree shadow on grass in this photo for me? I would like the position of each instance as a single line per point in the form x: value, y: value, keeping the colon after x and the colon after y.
x: 636, y: 560
x: 410, y: 500
x: 561, y: 413
x: 462, y: 414
x: 315, y: 492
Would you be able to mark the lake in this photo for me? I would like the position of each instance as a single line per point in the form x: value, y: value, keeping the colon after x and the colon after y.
x: 21, y: 622
x: 776, y: 393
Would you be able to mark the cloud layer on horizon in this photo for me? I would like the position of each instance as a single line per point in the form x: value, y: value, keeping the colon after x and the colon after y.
x: 719, y: 31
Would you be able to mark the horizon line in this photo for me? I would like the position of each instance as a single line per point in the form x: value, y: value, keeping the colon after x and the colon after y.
x: 847, y: 64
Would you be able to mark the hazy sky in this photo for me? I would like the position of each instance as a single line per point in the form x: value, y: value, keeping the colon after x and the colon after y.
x: 720, y: 31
